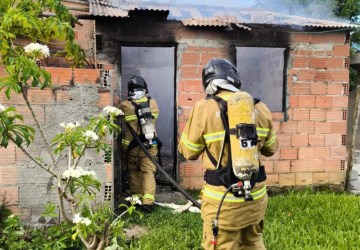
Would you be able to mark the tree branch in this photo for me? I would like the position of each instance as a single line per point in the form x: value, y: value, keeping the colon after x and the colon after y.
x: 23, y: 92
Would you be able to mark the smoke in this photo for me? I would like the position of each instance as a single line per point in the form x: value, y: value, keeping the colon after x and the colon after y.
x: 319, y: 9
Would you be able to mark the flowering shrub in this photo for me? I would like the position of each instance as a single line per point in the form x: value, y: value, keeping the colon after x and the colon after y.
x: 94, y: 224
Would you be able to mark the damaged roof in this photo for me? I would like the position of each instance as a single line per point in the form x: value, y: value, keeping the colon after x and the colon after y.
x: 204, y: 15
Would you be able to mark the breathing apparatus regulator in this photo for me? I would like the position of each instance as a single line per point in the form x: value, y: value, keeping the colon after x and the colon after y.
x: 238, y: 117
x: 137, y: 95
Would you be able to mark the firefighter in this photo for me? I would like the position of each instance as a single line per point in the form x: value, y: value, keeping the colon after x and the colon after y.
x: 141, y: 112
x: 240, y: 222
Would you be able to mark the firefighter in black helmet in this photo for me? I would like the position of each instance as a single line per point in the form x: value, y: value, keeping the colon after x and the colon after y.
x: 141, y: 112
x: 240, y: 222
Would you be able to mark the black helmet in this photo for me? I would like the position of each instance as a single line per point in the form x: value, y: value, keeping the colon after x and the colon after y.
x: 219, y: 68
x: 137, y: 82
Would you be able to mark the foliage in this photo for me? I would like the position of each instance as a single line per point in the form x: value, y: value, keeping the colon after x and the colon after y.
x: 297, y: 220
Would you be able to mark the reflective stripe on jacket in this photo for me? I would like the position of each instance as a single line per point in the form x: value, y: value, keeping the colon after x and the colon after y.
x: 130, y: 116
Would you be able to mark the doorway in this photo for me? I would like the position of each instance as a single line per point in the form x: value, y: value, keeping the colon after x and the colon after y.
x: 157, y: 66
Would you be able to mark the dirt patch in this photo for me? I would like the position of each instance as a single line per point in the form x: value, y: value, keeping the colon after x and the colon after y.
x: 135, y: 232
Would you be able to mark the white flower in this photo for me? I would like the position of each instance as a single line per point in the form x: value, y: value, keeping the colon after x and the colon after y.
x: 2, y: 108
x: 36, y: 47
x: 79, y: 219
x: 109, y: 110
x: 77, y: 173
x: 133, y: 200
x: 69, y: 125
x: 91, y: 134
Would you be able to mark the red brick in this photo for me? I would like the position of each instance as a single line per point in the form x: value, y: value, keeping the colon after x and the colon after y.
x: 288, y: 153
x: 301, y: 89
x: 7, y: 155
x: 272, y: 179
x: 336, y: 177
x: 294, y: 101
x: 342, y: 50
x: 191, y: 58
x: 287, y: 179
x: 288, y: 127
x: 104, y: 98
x: 321, y: 152
x: 40, y: 96
x: 332, y: 165
x: 307, y: 127
x: 190, y: 72
x: 306, y: 153
x: 11, y: 195
x: 277, y: 116
x: 284, y: 140
x: 269, y: 164
x: 194, y: 86
x: 299, y: 165
x: 300, y: 38
x: 323, y: 101
x: 317, y: 88
x: 316, y: 140
x: 340, y: 101
x: 307, y: 75
x: 306, y: 101
x: 332, y: 140
x: 299, y: 140
x: 334, y: 115
x: 194, y: 170
x: 320, y: 178
x: 14, y: 98
x: 336, y: 63
x: 303, y: 179
x: 322, y: 127
x: 316, y: 165
x: 60, y: 75
x: 8, y: 175
x: 335, y: 89
x: 108, y: 173
x: 301, y: 62
x: 187, y: 99
x: 86, y: 76
x: 63, y: 96
x: 338, y: 152
x: 318, y: 63
x: 28, y: 118
x: 317, y: 115
x: 205, y: 57
x: 328, y: 38
x: 301, y: 114
x: 338, y: 127
x: 282, y: 166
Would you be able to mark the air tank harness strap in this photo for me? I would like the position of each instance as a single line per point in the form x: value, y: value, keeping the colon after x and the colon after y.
x: 211, y: 177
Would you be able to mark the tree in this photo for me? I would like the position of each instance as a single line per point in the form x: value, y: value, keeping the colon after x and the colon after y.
x: 29, y: 19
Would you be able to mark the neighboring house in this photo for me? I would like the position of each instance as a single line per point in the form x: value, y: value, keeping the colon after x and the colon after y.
x: 298, y: 66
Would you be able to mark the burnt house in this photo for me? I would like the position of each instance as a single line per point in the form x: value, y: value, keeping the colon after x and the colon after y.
x: 298, y: 66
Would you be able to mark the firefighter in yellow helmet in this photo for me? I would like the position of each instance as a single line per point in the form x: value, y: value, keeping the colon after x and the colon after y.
x: 140, y: 113
x: 238, y: 224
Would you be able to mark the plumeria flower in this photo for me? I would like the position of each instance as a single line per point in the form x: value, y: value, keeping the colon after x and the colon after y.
x: 91, y: 134
x: 2, y: 108
x: 37, y: 48
x: 109, y: 110
x: 78, y: 219
x: 77, y: 173
x: 69, y: 125
x: 133, y: 200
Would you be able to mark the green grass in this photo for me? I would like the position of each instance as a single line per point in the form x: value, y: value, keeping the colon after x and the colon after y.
x: 298, y: 220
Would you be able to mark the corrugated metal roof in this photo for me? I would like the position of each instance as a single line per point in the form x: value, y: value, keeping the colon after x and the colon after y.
x: 101, y: 8
x: 203, y: 15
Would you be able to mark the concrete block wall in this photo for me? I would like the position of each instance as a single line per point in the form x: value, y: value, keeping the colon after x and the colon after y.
x: 75, y: 95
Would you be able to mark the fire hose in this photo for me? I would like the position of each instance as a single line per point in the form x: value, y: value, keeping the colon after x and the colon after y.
x: 159, y: 167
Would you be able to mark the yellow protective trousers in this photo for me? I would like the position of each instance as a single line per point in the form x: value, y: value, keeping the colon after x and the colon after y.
x: 142, y: 178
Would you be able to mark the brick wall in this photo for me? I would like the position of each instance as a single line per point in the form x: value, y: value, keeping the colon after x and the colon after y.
x: 313, y: 140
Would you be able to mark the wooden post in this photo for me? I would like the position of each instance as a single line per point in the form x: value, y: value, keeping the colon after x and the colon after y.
x: 356, y: 115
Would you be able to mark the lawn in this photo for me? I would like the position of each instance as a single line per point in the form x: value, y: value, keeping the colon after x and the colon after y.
x: 296, y: 220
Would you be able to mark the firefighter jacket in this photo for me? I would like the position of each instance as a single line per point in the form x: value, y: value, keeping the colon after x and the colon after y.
x: 204, y: 129
x: 130, y: 117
